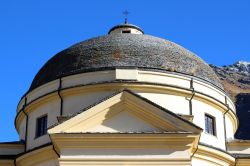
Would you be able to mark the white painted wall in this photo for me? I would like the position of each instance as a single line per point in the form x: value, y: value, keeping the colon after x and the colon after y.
x: 126, y: 74
x: 75, y: 103
x: 87, y: 78
x: 209, y: 90
x: 163, y: 78
x: 199, y: 110
x: 139, y: 75
x: 52, y: 109
x: 180, y: 105
x: 229, y: 128
x: 44, y: 89
x: 177, y: 104
x: 22, y: 129
x: 170, y: 102
x: 123, y: 122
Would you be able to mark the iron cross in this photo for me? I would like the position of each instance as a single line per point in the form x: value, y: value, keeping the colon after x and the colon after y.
x: 126, y: 16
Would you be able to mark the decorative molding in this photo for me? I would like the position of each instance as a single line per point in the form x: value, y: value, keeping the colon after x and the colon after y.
x: 37, y: 156
x: 214, y: 156
x: 152, y: 88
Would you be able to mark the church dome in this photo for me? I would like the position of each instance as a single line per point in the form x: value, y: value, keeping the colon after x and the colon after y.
x: 126, y: 46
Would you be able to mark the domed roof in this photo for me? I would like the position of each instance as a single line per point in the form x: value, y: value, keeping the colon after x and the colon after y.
x: 124, y: 50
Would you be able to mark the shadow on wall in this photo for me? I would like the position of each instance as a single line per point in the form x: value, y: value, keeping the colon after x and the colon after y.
x: 243, y: 113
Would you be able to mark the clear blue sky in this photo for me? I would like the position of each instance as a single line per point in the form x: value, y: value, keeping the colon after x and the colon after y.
x: 31, y: 32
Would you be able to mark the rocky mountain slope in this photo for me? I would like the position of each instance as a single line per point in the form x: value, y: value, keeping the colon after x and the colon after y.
x: 236, y: 81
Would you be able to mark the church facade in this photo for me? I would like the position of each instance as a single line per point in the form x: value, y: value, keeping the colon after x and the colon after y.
x: 126, y: 98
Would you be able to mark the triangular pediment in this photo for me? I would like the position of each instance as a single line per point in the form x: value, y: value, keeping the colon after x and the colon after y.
x: 124, y: 121
x: 125, y: 112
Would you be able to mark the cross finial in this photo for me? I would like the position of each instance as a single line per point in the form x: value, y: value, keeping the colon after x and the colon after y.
x: 126, y: 16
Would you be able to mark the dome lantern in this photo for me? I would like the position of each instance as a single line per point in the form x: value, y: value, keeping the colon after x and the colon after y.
x: 126, y: 29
